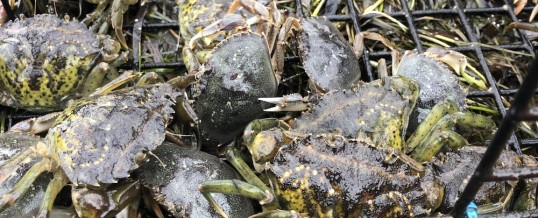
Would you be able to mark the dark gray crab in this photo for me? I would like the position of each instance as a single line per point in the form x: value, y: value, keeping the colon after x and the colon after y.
x: 174, y: 184
x: 327, y: 57
x: 97, y: 140
x: 47, y: 61
x: 237, y: 73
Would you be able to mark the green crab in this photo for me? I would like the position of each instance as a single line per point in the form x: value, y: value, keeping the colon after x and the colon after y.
x: 47, y: 61
x: 349, y: 136
x: 114, y: 130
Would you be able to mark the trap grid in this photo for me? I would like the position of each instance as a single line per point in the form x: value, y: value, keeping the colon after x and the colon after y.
x: 453, y: 10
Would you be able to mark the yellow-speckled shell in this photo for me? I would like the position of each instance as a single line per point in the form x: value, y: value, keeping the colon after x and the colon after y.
x: 44, y: 61
x: 194, y: 15
x: 334, y: 177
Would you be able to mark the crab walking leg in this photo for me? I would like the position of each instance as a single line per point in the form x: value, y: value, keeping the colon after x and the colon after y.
x: 193, y: 59
x: 54, y: 187
x: 121, y: 80
x: 119, y: 7
x: 277, y: 59
x: 278, y: 214
x: 436, y: 113
x: 8, y: 167
x: 148, y: 78
x: 431, y: 147
x: 232, y: 155
x: 22, y: 186
x: 236, y: 187
x: 251, y: 6
x: 441, y: 134
x: 98, y: 73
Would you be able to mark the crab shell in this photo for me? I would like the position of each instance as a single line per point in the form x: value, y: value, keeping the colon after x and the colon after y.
x: 326, y: 176
x: 376, y: 112
x: 238, y: 72
x: 101, y: 139
x: 44, y: 61
x: 327, y: 57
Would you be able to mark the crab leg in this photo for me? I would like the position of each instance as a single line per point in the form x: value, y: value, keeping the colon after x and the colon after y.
x: 122, y: 79
x: 8, y: 167
x: 435, y: 144
x: 251, y: 6
x: 22, y: 186
x: 236, y: 187
x: 440, y: 133
x: 461, y: 120
x: 255, y: 188
x: 278, y: 53
x: 119, y: 7
x: 54, y: 187
x: 436, y: 113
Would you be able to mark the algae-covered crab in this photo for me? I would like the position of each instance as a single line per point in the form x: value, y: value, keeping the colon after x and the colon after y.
x: 345, y: 157
x: 46, y: 61
x: 96, y: 140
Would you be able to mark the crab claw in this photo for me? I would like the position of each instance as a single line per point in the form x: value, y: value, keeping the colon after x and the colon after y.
x: 292, y: 102
x: 35, y: 125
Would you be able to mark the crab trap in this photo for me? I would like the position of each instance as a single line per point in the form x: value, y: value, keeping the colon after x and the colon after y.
x: 499, y: 70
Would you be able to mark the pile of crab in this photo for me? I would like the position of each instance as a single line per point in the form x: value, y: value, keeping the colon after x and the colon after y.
x: 397, y: 146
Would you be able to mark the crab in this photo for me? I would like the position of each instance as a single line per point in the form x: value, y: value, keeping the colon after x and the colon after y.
x: 174, y: 185
x: 328, y: 143
x: 452, y: 169
x: 238, y: 73
x: 247, y: 66
x: 115, y: 131
x: 165, y: 180
x: 47, y: 61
